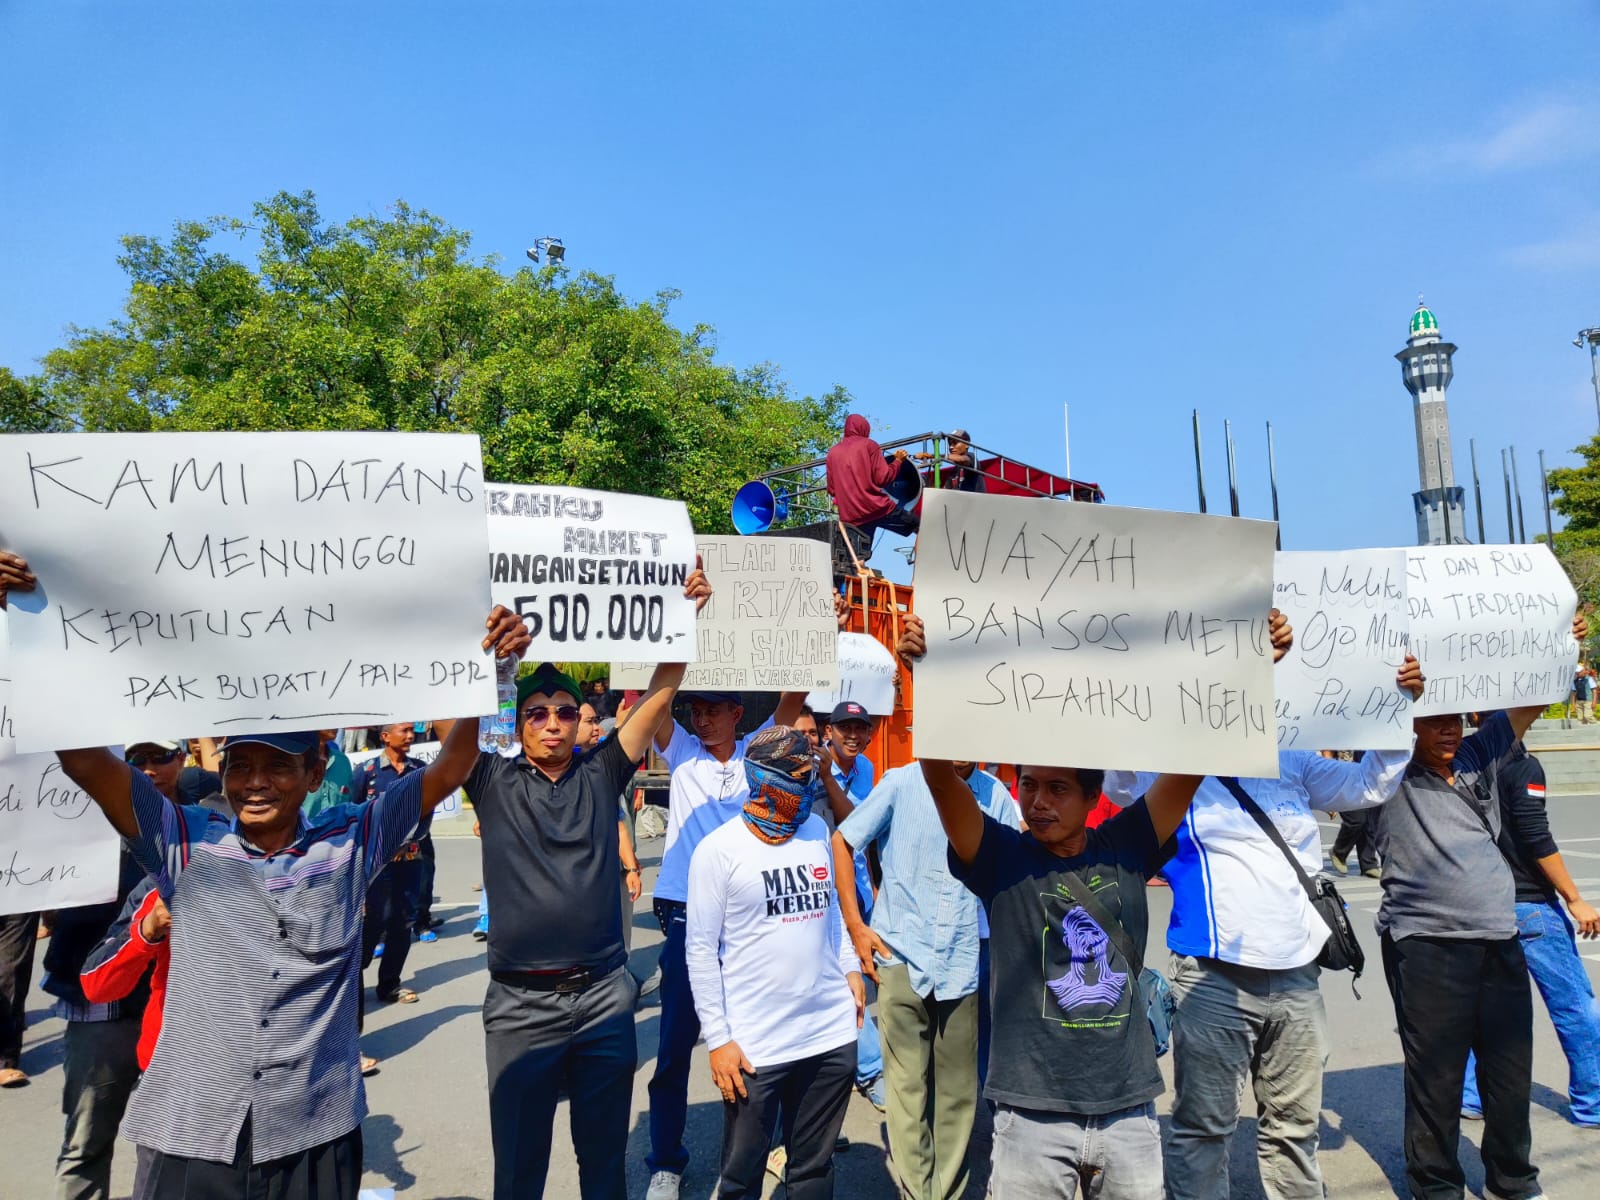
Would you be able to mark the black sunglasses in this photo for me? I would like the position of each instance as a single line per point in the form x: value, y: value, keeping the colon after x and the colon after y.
x: 539, y: 714
x: 159, y: 757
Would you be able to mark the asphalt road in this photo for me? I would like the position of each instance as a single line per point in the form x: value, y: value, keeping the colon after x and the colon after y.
x: 427, y: 1137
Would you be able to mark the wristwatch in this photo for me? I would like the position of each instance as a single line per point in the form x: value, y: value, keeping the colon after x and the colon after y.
x: 630, y: 870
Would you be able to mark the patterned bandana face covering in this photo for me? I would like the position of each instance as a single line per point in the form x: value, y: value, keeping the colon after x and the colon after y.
x: 783, y: 783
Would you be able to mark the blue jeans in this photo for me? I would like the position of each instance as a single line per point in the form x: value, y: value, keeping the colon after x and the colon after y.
x: 1045, y: 1155
x: 869, y: 1051
x: 1551, y: 949
x: 680, y: 1030
x: 869, y: 1047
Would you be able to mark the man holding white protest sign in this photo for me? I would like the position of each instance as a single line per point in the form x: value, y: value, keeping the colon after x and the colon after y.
x: 255, y: 1081
x: 1448, y: 922
x: 559, y: 1008
x: 1073, y: 1063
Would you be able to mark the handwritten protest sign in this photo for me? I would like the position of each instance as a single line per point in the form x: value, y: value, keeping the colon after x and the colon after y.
x: 56, y: 849
x: 593, y: 573
x: 1086, y: 635
x: 449, y: 807
x: 1491, y: 626
x: 770, y: 624
x: 214, y: 582
x: 1336, y: 690
x: 866, y: 675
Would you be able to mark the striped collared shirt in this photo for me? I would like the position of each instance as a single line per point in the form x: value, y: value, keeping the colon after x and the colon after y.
x: 266, y: 961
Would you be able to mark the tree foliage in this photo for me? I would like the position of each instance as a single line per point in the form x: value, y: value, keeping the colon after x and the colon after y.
x: 1575, y: 494
x: 387, y: 323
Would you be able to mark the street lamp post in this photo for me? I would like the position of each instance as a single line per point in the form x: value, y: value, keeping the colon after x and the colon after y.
x: 1592, y: 336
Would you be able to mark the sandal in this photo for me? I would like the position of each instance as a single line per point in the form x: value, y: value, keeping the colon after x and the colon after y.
x: 369, y: 1065
x: 401, y: 996
x: 11, y: 1077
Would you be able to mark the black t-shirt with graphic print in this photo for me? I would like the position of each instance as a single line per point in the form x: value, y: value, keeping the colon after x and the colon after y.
x: 1069, y: 1031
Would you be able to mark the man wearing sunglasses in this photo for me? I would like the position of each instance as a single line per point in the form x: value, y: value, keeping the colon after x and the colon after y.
x: 254, y: 1086
x: 559, y: 1009
x: 1451, y: 955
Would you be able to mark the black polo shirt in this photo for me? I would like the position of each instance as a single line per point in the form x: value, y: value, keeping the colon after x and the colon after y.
x: 550, y: 859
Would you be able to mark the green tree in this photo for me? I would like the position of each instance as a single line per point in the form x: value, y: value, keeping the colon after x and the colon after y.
x: 23, y: 410
x: 387, y: 323
x: 1575, y: 494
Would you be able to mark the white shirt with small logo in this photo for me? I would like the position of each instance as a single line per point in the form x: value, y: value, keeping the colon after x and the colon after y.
x: 765, y: 945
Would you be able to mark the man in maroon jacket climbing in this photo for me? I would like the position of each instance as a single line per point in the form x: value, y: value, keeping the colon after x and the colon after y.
x: 857, y: 475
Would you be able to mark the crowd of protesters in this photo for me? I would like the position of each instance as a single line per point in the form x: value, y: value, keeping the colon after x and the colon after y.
x: 214, y: 1008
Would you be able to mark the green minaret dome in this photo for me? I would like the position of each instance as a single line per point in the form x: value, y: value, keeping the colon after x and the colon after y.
x: 1423, y: 321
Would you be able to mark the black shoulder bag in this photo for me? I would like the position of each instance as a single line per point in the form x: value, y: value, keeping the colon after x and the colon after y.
x: 1159, y: 1003
x: 1341, y: 952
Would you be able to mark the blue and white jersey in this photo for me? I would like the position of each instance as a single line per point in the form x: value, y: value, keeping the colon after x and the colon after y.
x: 1233, y: 895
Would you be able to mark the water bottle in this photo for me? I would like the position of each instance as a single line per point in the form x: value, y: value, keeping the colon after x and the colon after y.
x: 498, y: 734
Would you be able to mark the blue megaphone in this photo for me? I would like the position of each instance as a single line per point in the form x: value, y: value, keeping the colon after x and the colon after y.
x: 756, y: 508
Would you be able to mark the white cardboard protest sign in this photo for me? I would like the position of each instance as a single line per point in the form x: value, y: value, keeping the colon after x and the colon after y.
x: 209, y: 583
x: 769, y: 625
x: 1087, y: 635
x: 449, y: 807
x: 866, y: 675
x: 1336, y: 689
x: 56, y: 848
x: 593, y: 574
x: 1491, y: 626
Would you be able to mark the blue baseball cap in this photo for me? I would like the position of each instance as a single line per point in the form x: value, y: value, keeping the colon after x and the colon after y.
x: 849, y: 710
x: 289, y: 743
x: 715, y: 697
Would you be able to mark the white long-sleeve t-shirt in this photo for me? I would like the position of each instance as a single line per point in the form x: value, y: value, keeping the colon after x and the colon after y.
x: 1234, y: 895
x: 767, y: 957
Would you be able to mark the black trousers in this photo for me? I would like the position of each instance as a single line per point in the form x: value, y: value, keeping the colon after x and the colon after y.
x: 1453, y: 995
x: 1355, y: 834
x: 390, y: 913
x: 18, y: 939
x: 331, y: 1171
x: 427, y: 869
x: 812, y: 1095
x: 538, y: 1042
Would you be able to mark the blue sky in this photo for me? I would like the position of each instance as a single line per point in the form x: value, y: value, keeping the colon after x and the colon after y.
x: 963, y: 213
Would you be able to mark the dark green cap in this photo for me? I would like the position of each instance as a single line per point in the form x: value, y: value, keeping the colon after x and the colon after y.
x: 549, y: 679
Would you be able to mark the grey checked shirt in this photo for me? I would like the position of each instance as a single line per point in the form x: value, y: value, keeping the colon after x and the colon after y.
x: 266, y: 959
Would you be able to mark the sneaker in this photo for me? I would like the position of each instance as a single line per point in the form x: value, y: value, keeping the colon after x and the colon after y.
x: 427, y: 935
x: 1341, y: 865
x: 663, y: 1186
x: 377, y: 951
x: 873, y: 1091
x: 778, y: 1163
x: 480, y: 931
x: 1373, y: 873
